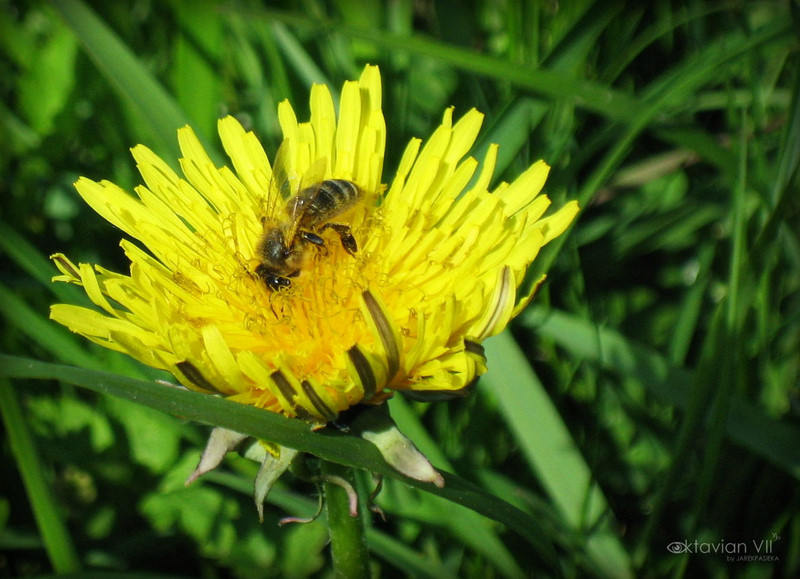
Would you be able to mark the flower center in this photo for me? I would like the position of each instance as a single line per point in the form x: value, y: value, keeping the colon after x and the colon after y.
x: 314, y: 321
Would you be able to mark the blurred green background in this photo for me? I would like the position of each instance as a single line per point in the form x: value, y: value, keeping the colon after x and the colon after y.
x: 641, y: 418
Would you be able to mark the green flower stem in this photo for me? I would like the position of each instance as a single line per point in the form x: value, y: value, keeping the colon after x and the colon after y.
x: 58, y: 545
x: 348, y: 542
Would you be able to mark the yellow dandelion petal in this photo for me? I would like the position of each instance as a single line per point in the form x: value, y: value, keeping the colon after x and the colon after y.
x: 323, y: 119
x: 69, y: 271
x: 394, y: 195
x: 221, y: 357
x: 247, y: 155
x: 485, y: 177
x: 526, y: 299
x: 288, y: 122
x: 501, y: 304
x: 113, y: 204
x: 557, y: 223
x: 526, y: 188
x: 86, y: 322
x: 347, y: 289
x: 348, y: 133
x: 93, y: 289
x: 222, y: 192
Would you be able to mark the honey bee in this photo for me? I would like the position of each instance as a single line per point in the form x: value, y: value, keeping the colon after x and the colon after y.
x: 299, y: 223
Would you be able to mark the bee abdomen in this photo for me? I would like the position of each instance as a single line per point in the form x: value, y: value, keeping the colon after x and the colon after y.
x: 346, y: 190
x: 334, y: 196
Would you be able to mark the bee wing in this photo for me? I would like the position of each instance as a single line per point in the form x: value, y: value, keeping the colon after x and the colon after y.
x: 310, y: 185
x: 280, y: 185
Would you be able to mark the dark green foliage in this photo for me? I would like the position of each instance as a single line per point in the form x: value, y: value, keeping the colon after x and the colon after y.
x: 648, y: 399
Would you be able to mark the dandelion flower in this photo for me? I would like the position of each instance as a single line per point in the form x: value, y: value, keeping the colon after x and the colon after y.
x: 439, y: 262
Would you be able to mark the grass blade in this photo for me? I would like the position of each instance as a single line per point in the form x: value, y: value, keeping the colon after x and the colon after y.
x: 49, y: 519
x: 329, y: 445
x: 21, y: 315
x: 126, y: 73
x: 586, y: 94
x: 774, y: 440
x: 551, y: 452
x: 466, y: 525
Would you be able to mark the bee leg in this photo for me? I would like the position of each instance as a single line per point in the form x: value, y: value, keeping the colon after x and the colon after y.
x: 348, y: 241
x: 276, y: 282
x: 272, y: 279
x: 310, y: 237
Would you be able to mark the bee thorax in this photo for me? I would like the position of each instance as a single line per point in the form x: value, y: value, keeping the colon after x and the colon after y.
x: 309, y: 212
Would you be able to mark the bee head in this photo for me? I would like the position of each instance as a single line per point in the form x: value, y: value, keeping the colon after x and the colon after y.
x: 272, y: 249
